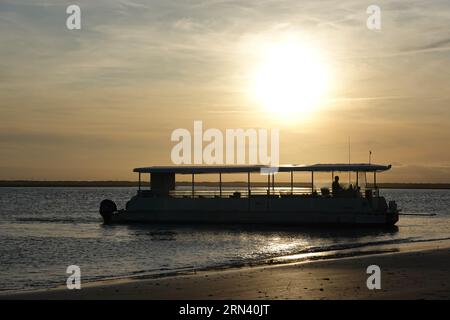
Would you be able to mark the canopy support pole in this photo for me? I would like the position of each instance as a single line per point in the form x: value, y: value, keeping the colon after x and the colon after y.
x: 220, y: 184
x: 312, y: 182
x: 139, y: 182
x: 248, y: 183
x: 375, y: 183
x: 268, y: 184
x: 375, y: 179
x: 365, y: 180
x: 357, y: 179
x: 192, y: 185
x: 292, y: 182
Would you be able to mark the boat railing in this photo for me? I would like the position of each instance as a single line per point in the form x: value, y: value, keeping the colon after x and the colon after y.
x: 236, y: 193
x: 275, y: 193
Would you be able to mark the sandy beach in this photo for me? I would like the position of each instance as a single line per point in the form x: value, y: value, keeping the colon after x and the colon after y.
x: 419, y: 272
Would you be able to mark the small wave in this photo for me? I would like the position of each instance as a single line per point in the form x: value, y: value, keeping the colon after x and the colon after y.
x: 163, y: 236
x: 57, y: 220
x: 344, y: 246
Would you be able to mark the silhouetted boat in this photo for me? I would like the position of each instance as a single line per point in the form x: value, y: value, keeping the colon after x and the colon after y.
x: 162, y: 203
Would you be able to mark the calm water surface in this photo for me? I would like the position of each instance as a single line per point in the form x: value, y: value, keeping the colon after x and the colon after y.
x: 44, y: 230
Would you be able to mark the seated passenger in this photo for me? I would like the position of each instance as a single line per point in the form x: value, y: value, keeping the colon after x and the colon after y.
x: 336, y: 187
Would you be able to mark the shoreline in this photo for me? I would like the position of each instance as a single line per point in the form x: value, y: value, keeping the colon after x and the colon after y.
x: 422, y: 262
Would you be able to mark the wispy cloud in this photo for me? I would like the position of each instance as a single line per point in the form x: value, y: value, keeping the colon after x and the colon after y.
x: 150, y: 65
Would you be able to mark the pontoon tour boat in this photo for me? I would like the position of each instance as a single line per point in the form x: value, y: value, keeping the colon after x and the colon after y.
x: 163, y: 203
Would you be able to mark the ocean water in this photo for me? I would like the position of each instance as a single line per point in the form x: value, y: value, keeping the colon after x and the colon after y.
x: 44, y: 230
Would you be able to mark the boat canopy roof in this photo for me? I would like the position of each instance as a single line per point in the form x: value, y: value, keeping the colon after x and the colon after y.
x: 340, y: 167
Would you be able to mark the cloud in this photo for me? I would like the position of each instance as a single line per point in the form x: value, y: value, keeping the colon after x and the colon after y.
x: 436, y: 46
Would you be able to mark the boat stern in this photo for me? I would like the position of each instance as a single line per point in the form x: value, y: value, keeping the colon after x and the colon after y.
x: 392, y: 213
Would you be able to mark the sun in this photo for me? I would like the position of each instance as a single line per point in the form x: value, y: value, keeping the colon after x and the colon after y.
x: 290, y: 78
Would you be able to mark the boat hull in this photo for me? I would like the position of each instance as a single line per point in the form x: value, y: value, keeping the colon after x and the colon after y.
x: 275, y: 218
x: 258, y: 210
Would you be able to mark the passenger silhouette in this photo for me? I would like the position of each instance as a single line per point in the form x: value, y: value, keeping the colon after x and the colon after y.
x: 336, y: 187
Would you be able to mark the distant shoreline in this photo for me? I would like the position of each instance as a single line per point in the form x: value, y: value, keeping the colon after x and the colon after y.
x: 99, y: 184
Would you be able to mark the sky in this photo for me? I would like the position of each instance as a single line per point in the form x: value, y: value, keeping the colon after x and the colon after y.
x: 94, y: 103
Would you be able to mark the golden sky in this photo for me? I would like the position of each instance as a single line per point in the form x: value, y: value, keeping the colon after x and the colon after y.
x: 92, y: 104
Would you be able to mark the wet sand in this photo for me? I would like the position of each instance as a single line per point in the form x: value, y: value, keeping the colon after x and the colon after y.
x: 423, y: 273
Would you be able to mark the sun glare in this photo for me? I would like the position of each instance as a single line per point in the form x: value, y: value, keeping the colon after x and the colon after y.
x: 290, y: 78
